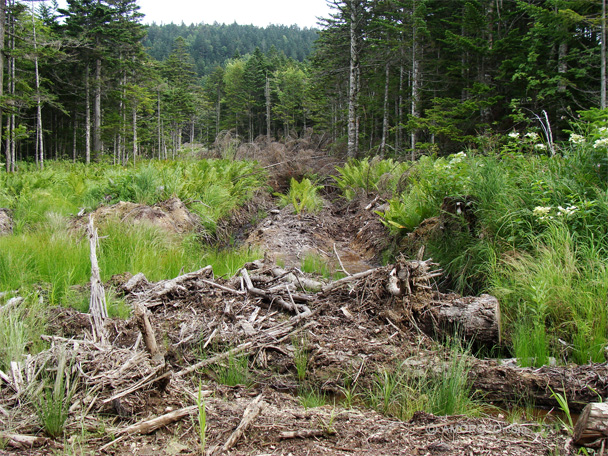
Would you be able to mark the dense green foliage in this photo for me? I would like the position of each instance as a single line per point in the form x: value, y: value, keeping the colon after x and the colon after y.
x: 432, y: 74
x: 535, y: 237
x: 211, y: 45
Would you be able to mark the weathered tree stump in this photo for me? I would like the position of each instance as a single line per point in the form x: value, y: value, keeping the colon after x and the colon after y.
x: 592, y: 424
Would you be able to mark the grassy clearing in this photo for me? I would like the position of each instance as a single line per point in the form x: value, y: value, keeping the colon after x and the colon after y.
x: 43, y: 251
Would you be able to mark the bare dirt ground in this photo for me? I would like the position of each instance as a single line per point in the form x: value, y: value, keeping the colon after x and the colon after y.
x: 349, y: 333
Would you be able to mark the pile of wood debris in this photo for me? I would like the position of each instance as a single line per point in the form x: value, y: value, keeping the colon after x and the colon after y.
x: 135, y: 390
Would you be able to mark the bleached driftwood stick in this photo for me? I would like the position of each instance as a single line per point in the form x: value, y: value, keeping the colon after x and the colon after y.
x: 300, y: 310
x: 338, y: 283
x: 252, y: 411
x: 149, y: 426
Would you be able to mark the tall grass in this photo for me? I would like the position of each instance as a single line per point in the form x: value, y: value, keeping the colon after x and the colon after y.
x: 43, y: 251
x: 539, y: 239
x: 445, y: 390
x: 20, y: 328
x: 54, y: 397
x: 557, y: 292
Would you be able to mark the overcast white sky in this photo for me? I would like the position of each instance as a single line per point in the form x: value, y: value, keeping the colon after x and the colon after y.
x: 257, y: 12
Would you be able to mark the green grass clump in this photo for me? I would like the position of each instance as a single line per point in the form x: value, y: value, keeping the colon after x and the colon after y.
x: 236, y: 372
x: 311, y: 398
x: 54, y: 397
x: 300, y: 356
x: 20, y: 328
x: 444, y: 391
x: 303, y: 196
x: 202, y: 419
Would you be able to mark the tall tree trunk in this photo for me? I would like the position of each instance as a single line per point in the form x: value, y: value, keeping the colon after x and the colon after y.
x: 97, y: 109
x: 562, y: 65
x: 2, y: 52
x: 159, y: 132
x: 415, y: 94
x: 87, y: 114
x: 10, y: 137
x: 39, y: 133
x: 603, y: 58
x: 218, y: 106
x: 353, y: 83
x: 385, y: 110
x: 267, y: 95
x: 134, y: 134
x: 399, y: 133
x: 74, y: 143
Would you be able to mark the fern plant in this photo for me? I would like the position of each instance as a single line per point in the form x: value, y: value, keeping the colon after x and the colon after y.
x: 303, y: 196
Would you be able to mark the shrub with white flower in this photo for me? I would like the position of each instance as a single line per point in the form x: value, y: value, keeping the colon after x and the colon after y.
x: 577, y: 139
x: 542, y: 212
x: 532, y: 136
x: 603, y: 142
x: 603, y: 130
x: 566, y: 211
x: 457, y: 158
x: 513, y: 135
x: 540, y: 146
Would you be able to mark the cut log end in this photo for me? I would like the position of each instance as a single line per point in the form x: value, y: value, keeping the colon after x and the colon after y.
x: 592, y: 424
x: 474, y: 318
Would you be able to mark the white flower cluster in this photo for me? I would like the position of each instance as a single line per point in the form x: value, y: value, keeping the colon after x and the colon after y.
x: 542, y: 212
x: 457, y: 158
x: 513, y: 135
x: 577, y: 139
x: 532, y: 136
x: 566, y: 212
x: 603, y: 142
x: 540, y: 146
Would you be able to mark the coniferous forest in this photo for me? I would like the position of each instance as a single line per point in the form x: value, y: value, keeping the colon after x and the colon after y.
x: 398, y: 77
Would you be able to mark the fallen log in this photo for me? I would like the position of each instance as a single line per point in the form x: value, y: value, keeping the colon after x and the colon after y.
x: 27, y: 442
x: 473, y: 318
x: 592, y: 424
x: 507, y: 384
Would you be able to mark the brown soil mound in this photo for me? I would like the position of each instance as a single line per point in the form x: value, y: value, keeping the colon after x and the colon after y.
x: 171, y: 215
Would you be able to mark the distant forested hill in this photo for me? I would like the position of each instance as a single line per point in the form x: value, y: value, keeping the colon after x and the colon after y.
x: 211, y: 44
